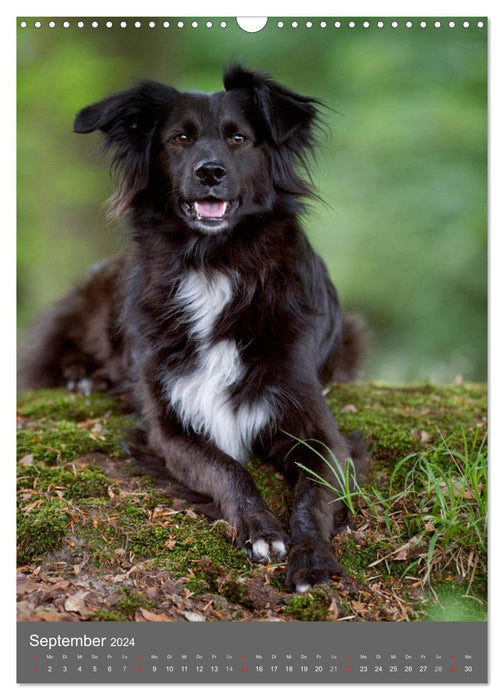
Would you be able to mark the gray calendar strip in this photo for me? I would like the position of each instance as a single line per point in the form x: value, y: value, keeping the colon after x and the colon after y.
x: 252, y: 652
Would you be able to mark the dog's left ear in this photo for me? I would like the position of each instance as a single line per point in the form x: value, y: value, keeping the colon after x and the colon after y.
x: 287, y: 116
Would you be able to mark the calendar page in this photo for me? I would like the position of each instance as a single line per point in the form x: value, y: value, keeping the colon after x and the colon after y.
x: 252, y: 406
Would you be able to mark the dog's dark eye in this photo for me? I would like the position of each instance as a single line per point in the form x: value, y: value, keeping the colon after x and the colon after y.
x: 238, y: 139
x: 181, y: 138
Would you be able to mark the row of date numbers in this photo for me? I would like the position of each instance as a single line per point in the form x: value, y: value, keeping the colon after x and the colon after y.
x: 262, y: 669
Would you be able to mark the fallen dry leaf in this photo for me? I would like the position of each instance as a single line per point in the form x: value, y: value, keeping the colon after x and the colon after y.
x: 333, y: 610
x: 193, y: 616
x: 25, y: 585
x: 152, y: 617
x: 404, y: 552
x: 75, y: 603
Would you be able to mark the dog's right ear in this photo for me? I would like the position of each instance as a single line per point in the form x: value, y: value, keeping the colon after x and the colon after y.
x: 133, y: 111
x: 101, y: 115
x: 128, y: 120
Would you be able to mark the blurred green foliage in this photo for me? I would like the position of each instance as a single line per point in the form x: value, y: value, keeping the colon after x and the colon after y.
x: 401, y: 168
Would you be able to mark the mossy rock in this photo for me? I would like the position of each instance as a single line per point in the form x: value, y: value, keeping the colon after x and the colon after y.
x: 78, y: 488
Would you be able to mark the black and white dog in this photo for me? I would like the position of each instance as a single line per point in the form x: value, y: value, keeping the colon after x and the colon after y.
x: 219, y: 315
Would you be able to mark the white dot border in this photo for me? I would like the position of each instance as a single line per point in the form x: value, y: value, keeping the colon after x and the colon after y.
x: 293, y: 23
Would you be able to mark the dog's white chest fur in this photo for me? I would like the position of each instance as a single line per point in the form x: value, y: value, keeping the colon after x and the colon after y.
x: 202, y: 397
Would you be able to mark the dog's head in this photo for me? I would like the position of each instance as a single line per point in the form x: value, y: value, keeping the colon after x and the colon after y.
x: 211, y: 160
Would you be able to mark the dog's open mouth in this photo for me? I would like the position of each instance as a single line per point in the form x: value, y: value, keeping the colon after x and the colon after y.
x: 210, y: 209
x: 210, y: 212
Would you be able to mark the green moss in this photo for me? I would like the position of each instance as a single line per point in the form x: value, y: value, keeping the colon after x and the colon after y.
x: 55, y: 444
x: 277, y: 579
x: 90, y: 482
x: 132, y: 512
x: 206, y: 578
x: 179, y: 545
x: 130, y: 601
x: 233, y: 590
x: 273, y: 489
x: 122, y: 525
x: 310, y: 607
x: 356, y: 558
x: 185, y: 542
x: 77, y: 483
x: 115, y: 432
x: 196, y: 538
x: 149, y: 541
x: 197, y: 585
x: 110, y: 616
x: 65, y: 441
x: 57, y: 427
x: 146, y: 480
x: 55, y: 404
x: 101, y: 543
x: 396, y: 418
x: 209, y: 577
x: 41, y: 530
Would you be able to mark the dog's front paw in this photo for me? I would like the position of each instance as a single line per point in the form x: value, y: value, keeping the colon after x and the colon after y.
x: 311, y: 565
x: 264, y: 550
x: 263, y: 538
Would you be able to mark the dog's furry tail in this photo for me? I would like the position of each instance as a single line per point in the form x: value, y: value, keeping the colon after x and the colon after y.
x: 355, y: 338
x: 78, y: 337
x: 42, y: 351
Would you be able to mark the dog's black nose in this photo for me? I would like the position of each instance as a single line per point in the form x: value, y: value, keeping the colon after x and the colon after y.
x: 210, y: 173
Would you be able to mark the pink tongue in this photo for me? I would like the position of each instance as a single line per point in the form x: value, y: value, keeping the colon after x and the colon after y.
x: 210, y: 210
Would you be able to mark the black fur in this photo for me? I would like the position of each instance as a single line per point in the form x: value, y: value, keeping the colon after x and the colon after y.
x: 211, y: 188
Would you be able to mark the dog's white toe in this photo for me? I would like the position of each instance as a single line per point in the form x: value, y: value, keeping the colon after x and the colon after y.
x: 260, y: 549
x: 268, y: 551
x: 279, y: 549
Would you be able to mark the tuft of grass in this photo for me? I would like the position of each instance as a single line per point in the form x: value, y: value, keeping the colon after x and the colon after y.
x: 450, y: 490
x: 434, y: 515
x: 345, y: 476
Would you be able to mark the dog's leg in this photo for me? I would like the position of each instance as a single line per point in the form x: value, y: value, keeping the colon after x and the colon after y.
x: 311, y: 557
x: 201, y: 467
x: 206, y: 470
x: 316, y: 514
